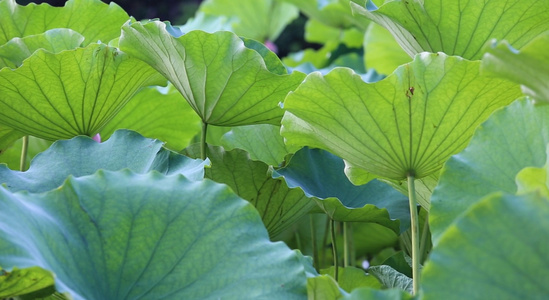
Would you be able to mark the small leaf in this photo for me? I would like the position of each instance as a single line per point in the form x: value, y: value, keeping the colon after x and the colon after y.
x: 350, y: 278
x: 226, y: 83
x: 18, y: 282
x: 121, y: 235
x: 323, y: 287
x: 529, y: 66
x: 76, y: 92
x: 78, y: 15
x: 83, y: 156
x: 390, y: 278
x: 459, y: 28
x: 496, y: 249
x: 408, y: 123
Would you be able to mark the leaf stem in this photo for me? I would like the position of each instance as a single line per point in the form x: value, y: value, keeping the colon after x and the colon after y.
x: 203, y: 144
x: 24, y: 151
x: 313, y: 239
x: 424, y: 234
x: 334, y: 250
x: 415, y: 232
x: 346, y: 244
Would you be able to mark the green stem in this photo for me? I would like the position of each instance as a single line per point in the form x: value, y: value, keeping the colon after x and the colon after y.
x: 415, y: 232
x: 24, y: 150
x: 346, y: 244
x: 324, y: 242
x: 334, y: 250
x: 424, y: 234
x: 203, y: 145
x: 313, y: 239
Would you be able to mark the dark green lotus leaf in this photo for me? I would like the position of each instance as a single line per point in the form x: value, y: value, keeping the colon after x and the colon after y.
x: 18, y: 282
x: 279, y: 205
x: 159, y: 113
x: 258, y: 20
x: 529, y: 66
x: 76, y: 92
x: 95, y: 20
x: 82, y: 156
x: 16, y: 50
x: 262, y: 141
x: 122, y: 235
x: 494, y: 250
x: 409, y: 123
x: 320, y: 174
x: 459, y: 28
x: 511, y: 140
x: 226, y: 83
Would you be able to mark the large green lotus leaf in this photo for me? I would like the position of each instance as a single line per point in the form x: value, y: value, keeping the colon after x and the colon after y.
x: 122, y: 235
x: 320, y: 174
x: 260, y: 20
x: 12, y: 155
x: 529, y: 66
x: 226, y: 83
x: 16, y: 50
x: 18, y: 282
x: 495, y: 250
x: 334, y: 13
x: 82, y: 156
x: 160, y: 113
x: 263, y: 142
x: 381, y: 51
x: 459, y: 28
x: 279, y: 205
x: 409, y: 123
x: 511, y: 140
x: 93, y: 19
x: 76, y: 92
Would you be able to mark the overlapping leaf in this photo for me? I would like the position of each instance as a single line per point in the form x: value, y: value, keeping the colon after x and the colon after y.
x: 496, y: 249
x: 459, y: 27
x: 279, y: 205
x: 158, y: 113
x: 18, y: 282
x: 83, y: 156
x: 511, y: 140
x: 58, y: 96
x: 121, y: 235
x: 381, y: 51
x: 529, y: 66
x: 16, y: 50
x: 226, y: 83
x: 410, y: 123
x: 79, y: 15
x: 334, y: 13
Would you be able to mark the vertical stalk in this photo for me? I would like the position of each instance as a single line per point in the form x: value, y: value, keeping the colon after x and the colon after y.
x: 203, y: 144
x: 346, y: 244
x: 24, y: 150
x: 415, y: 232
x: 334, y: 250
x: 424, y: 234
x: 313, y: 239
x: 324, y: 242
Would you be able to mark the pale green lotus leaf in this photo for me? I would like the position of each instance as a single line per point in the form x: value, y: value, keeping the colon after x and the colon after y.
x: 381, y: 51
x: 226, y: 83
x: 495, y: 250
x: 529, y: 66
x: 259, y: 20
x: 409, y: 123
x: 148, y: 236
x: 76, y: 92
x: 512, y: 139
x: 459, y: 28
x: 11, y: 156
x: 334, y: 13
x: 94, y: 19
x: 350, y: 278
x: 160, y: 113
x: 16, y: 50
